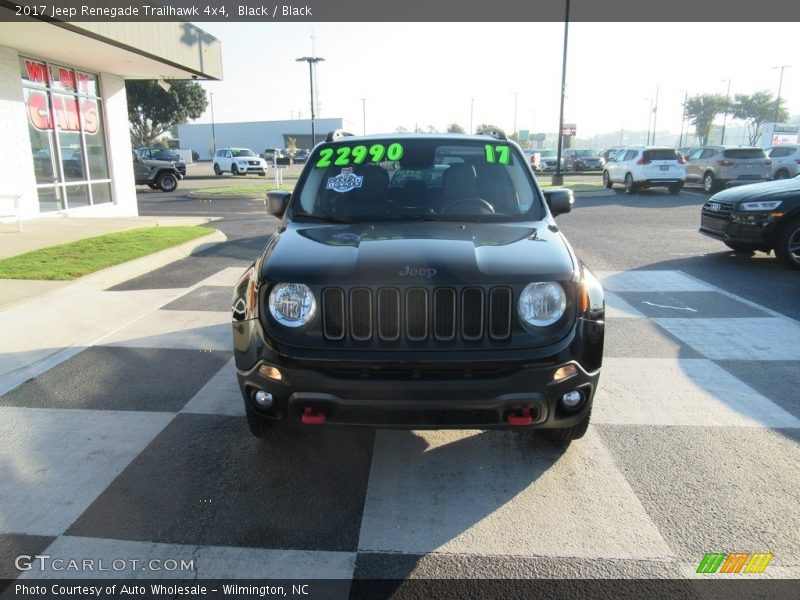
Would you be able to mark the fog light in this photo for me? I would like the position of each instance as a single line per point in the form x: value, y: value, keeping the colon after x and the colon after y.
x: 270, y: 372
x: 571, y: 399
x: 565, y: 372
x: 263, y: 399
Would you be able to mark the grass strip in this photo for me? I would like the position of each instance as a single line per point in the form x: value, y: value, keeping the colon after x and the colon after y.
x: 81, y: 257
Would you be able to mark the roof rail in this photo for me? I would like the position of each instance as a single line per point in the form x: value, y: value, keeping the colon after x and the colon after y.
x: 495, y: 132
x: 335, y: 134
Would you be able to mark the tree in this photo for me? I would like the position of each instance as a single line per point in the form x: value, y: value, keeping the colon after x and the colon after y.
x: 152, y: 111
x: 483, y: 126
x: 757, y: 109
x: 455, y: 128
x: 702, y: 110
x: 401, y: 129
x: 291, y: 146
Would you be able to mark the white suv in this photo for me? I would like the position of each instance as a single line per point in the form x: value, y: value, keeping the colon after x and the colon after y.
x: 785, y: 160
x: 239, y: 161
x: 639, y: 167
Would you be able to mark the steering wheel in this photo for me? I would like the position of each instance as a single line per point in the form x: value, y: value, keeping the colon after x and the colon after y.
x: 476, y: 203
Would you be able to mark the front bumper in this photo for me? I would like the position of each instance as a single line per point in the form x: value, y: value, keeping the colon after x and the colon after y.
x: 756, y: 229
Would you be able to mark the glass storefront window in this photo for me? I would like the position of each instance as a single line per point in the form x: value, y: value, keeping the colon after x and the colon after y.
x: 65, y: 122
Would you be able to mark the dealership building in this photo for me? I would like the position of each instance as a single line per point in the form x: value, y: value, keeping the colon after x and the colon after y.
x: 66, y: 146
x: 257, y: 135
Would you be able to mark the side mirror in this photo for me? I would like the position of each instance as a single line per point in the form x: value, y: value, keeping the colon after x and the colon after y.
x: 277, y: 201
x: 559, y: 200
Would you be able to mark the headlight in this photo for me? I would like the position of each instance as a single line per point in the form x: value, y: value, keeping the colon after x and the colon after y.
x: 541, y: 303
x: 292, y: 304
x: 761, y: 205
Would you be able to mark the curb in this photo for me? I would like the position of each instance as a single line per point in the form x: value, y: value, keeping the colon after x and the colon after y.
x: 111, y: 276
x: 196, y: 196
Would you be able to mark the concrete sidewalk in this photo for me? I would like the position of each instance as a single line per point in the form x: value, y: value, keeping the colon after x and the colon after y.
x: 45, y: 322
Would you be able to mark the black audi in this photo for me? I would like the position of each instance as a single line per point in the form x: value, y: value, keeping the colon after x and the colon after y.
x: 760, y: 216
x: 418, y: 281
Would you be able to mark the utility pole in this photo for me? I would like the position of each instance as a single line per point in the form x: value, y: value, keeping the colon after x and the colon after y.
x: 558, y: 178
x: 471, y: 110
x: 649, y: 120
x: 780, y: 85
x: 311, y: 60
x: 213, y: 130
x: 683, y: 116
x: 655, y: 115
x: 725, y: 114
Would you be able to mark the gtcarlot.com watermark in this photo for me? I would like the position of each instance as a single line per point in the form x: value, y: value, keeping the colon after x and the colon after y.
x: 45, y: 563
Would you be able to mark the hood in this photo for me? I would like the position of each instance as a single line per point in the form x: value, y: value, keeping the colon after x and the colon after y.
x: 759, y: 191
x: 152, y: 162
x: 418, y: 253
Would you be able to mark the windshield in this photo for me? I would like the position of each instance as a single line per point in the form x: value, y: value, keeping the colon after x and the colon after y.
x: 583, y: 153
x: 546, y: 153
x: 417, y: 179
x: 237, y: 152
x: 744, y: 153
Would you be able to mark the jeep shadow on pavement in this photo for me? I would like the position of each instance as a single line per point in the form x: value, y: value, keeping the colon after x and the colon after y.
x: 418, y: 282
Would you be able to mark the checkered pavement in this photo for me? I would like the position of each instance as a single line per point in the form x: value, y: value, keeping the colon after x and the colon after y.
x: 137, y: 448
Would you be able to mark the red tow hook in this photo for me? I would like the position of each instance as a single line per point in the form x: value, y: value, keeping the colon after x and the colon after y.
x: 521, y: 417
x: 309, y: 417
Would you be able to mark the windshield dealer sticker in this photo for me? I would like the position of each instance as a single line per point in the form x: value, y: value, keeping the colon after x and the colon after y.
x: 345, y: 181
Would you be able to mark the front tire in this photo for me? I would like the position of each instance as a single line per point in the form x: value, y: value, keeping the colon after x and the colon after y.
x: 167, y: 182
x: 710, y: 184
x: 607, y: 181
x: 788, y: 248
x: 567, y: 434
x: 675, y: 188
x: 234, y: 170
x: 782, y: 174
x: 217, y: 170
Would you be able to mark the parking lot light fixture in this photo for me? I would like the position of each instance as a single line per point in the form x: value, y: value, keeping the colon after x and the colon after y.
x: 558, y: 177
x: 780, y: 85
x: 311, y: 60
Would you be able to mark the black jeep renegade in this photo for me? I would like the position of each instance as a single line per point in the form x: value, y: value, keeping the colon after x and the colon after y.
x: 418, y: 281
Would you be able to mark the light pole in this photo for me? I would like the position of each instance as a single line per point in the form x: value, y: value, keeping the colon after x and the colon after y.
x: 213, y: 130
x: 780, y: 85
x: 311, y: 60
x: 558, y: 178
x: 683, y: 116
x: 649, y: 120
x: 655, y: 116
x: 725, y: 114
x: 364, y: 114
x: 471, y: 111
x: 515, y: 112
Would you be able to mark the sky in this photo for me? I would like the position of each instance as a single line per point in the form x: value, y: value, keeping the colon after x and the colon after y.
x: 426, y: 74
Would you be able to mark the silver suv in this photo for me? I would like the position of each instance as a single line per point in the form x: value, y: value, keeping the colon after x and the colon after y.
x: 715, y: 167
x: 785, y: 160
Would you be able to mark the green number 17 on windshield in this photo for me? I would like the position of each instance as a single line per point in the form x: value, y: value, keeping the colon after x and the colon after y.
x: 497, y: 154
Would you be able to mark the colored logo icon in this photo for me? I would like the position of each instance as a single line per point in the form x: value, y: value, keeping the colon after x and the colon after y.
x: 737, y: 562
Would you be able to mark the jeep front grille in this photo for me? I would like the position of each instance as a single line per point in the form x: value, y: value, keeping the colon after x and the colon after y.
x: 417, y: 314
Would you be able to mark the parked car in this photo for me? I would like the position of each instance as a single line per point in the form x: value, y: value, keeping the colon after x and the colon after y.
x: 578, y: 159
x: 761, y: 216
x: 548, y: 159
x: 609, y: 153
x: 640, y: 167
x: 239, y: 161
x: 164, y: 154
x: 715, y: 167
x: 157, y: 174
x: 421, y: 282
x: 272, y: 154
x: 785, y: 160
x: 534, y: 159
x: 301, y: 157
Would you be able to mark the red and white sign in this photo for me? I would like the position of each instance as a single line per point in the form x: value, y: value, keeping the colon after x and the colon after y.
x: 66, y: 113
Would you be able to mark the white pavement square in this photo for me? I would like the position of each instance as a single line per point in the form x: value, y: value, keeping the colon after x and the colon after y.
x: 220, y: 396
x: 738, y: 339
x: 495, y: 493
x: 55, y: 462
x: 616, y: 307
x: 667, y: 391
x: 651, y: 281
x: 150, y: 560
x: 179, y: 329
